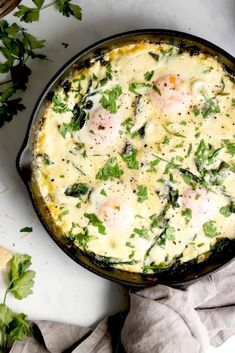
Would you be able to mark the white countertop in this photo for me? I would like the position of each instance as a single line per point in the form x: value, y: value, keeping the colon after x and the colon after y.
x: 65, y: 291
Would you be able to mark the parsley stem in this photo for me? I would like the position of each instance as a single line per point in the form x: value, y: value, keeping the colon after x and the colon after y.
x: 5, y: 82
x: 46, y: 6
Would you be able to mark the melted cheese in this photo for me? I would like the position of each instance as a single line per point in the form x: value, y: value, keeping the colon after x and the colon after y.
x: 164, y: 122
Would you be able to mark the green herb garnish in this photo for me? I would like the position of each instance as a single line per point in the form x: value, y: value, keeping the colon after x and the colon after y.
x: 110, y: 170
x: 77, y: 190
x: 210, y: 107
x: 142, y: 193
x: 95, y: 222
x: 20, y: 281
x: 32, y: 14
x: 187, y: 214
x: 210, y: 229
x: 148, y: 75
x: 129, y: 156
x: 26, y: 230
x: 109, y: 98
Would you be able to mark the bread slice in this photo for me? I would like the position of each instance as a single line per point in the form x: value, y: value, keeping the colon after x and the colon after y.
x: 5, y: 256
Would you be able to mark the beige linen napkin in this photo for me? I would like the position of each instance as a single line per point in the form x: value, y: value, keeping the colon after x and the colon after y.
x: 161, y: 320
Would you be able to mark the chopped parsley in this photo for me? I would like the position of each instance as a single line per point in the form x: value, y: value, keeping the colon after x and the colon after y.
x: 148, y: 75
x: 152, y: 165
x: 103, y: 192
x: 227, y: 210
x: 142, y: 193
x: 196, y: 111
x: 155, y: 56
x: 233, y: 102
x: 173, y: 195
x: 210, y: 107
x: 110, y: 170
x: 59, y: 105
x: 157, y: 89
x: 46, y: 160
x: 134, y: 86
x: 26, y: 230
x: 230, y: 147
x: 129, y: 156
x: 170, y: 233
x: 205, y: 155
x: 177, y: 134
x: 109, y: 98
x: 154, y: 220
x: 142, y: 232
x: 95, y: 222
x: 77, y: 190
x: 210, y: 229
x: 187, y: 214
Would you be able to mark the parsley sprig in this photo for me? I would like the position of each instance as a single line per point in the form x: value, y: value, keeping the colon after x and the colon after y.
x: 14, y: 326
x: 17, y: 46
x: 32, y: 14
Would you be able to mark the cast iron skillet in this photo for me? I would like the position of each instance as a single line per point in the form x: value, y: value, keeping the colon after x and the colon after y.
x: 177, y: 274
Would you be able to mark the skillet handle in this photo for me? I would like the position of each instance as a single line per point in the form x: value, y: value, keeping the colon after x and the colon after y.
x: 24, y: 163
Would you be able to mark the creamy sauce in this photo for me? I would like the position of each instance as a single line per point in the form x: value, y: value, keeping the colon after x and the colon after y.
x: 136, y: 157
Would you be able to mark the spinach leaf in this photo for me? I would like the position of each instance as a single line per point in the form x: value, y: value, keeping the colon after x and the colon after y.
x: 77, y: 190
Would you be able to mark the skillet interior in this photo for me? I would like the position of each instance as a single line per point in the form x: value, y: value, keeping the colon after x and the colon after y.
x: 179, y: 273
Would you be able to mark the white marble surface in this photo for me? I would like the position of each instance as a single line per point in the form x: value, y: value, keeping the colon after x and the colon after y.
x: 64, y: 291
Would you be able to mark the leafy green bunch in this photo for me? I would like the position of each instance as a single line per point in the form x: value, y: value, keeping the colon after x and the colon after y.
x: 32, y: 14
x: 17, y: 46
x: 14, y: 326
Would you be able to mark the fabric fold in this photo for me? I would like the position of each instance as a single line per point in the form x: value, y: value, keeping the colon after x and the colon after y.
x: 161, y: 319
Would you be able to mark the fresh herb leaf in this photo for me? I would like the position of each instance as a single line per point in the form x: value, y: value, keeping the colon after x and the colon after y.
x: 46, y: 160
x: 173, y: 195
x: 110, y: 170
x: 196, y: 111
x: 69, y: 9
x: 204, y: 155
x: 157, y: 89
x: 59, y: 105
x: 210, y: 229
x: 210, y: 107
x: 134, y: 86
x: 187, y: 214
x: 20, y: 278
x: 142, y: 233
x: 27, y: 14
x: 109, y: 98
x: 230, y: 147
x: 233, y: 102
x: 129, y: 156
x: 148, y: 75
x: 155, y: 56
x: 154, y: 220
x: 227, y: 210
x: 177, y: 134
x: 103, y: 192
x: 95, y: 222
x: 167, y: 52
x: 152, y: 165
x: 26, y: 230
x: 142, y: 193
x: 170, y: 233
x: 77, y: 190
